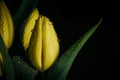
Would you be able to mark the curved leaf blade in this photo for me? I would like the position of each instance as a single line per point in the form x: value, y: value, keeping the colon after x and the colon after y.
x: 60, y: 69
x: 9, y: 70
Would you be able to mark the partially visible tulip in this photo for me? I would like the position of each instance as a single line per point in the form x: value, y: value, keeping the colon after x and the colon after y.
x: 29, y: 26
x: 6, y: 29
x: 43, y: 49
x: 6, y: 25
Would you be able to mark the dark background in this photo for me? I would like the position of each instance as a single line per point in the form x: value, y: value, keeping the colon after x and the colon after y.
x: 72, y: 19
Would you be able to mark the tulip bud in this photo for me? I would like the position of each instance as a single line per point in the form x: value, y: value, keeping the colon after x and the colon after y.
x: 29, y: 26
x: 6, y: 25
x: 43, y: 49
x: 6, y: 29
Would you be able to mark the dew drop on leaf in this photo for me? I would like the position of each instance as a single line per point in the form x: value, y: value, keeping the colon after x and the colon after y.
x: 72, y: 48
x: 25, y: 69
x: 19, y: 61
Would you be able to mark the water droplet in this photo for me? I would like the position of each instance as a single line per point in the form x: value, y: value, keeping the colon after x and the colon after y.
x: 44, y: 28
x: 72, y: 48
x: 3, y: 33
x: 19, y: 61
x: 25, y: 69
x: 4, y: 29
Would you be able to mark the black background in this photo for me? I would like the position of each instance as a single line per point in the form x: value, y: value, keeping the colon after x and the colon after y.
x: 72, y: 19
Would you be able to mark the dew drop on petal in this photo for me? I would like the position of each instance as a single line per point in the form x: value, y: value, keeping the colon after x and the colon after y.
x: 3, y: 33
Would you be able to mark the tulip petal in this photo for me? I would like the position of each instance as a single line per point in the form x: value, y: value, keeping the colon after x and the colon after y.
x: 10, y: 24
x: 4, y: 30
x: 27, y: 28
x: 50, y: 44
x: 35, y: 46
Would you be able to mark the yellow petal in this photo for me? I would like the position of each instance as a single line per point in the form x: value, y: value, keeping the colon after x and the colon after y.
x: 10, y: 24
x: 4, y: 30
x: 50, y: 44
x: 29, y: 27
x: 35, y: 47
x: 6, y: 25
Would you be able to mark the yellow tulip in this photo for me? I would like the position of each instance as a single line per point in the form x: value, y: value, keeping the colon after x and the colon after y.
x: 6, y: 25
x: 6, y: 29
x: 43, y: 49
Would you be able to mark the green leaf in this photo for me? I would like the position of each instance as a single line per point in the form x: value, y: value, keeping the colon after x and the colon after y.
x: 9, y: 70
x: 60, y: 69
x: 24, y: 10
x: 23, y: 70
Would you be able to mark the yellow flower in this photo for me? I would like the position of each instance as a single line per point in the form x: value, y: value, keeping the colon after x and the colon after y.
x: 43, y: 44
x: 6, y: 29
